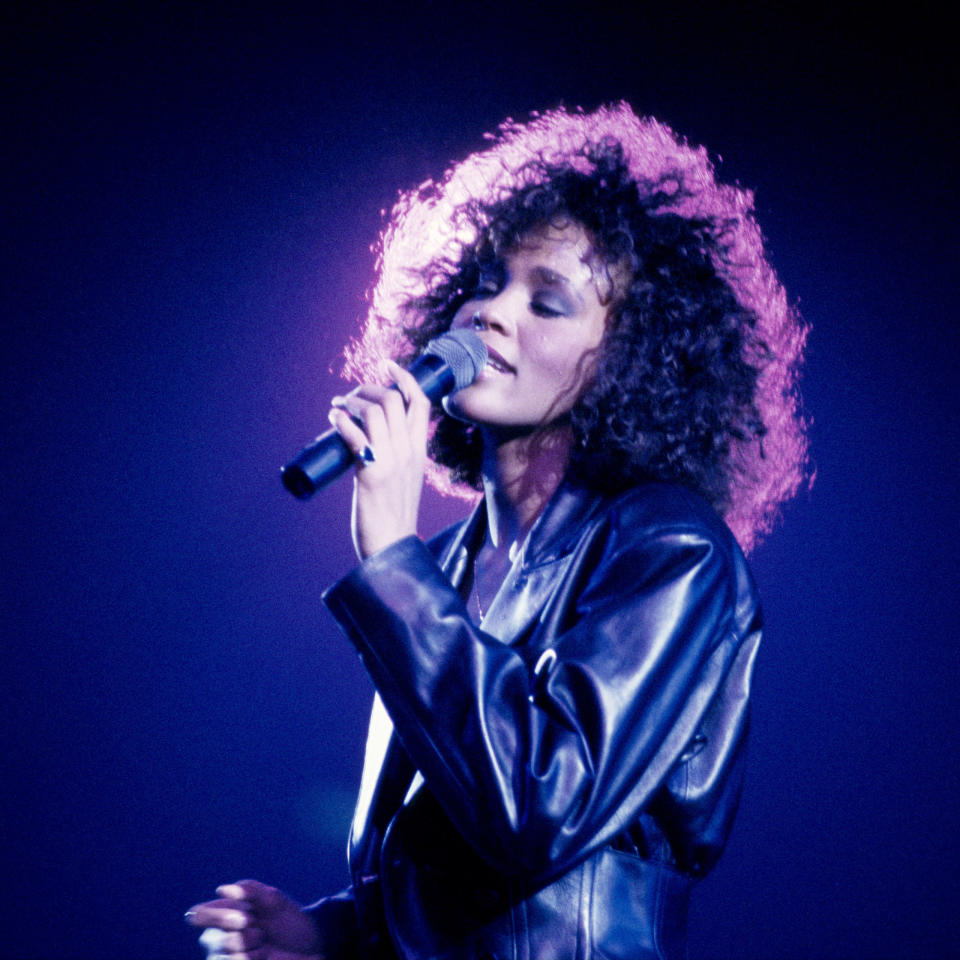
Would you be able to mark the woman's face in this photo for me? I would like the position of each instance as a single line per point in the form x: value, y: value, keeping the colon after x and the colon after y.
x: 540, y: 314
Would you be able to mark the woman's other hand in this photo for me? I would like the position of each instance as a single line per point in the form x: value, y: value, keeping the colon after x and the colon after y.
x: 390, y: 427
x: 252, y: 921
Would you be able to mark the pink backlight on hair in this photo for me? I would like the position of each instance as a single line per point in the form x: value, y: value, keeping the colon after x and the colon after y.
x: 430, y: 225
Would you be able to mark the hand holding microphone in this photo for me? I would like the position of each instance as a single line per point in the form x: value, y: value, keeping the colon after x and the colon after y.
x: 449, y: 363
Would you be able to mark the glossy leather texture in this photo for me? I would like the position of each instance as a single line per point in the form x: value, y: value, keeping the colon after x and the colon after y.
x: 549, y: 785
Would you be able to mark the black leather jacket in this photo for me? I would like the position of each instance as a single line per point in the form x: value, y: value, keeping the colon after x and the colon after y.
x: 578, y: 757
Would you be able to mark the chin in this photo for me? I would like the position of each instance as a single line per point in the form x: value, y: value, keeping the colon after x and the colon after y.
x: 452, y: 408
x: 472, y: 407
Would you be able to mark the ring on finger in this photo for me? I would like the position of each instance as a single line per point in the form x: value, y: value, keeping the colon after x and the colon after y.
x: 366, y: 455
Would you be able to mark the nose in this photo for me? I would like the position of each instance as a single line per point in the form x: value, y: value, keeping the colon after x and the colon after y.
x: 490, y: 315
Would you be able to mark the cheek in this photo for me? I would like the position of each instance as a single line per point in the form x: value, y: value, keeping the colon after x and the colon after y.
x: 552, y: 354
x: 566, y: 364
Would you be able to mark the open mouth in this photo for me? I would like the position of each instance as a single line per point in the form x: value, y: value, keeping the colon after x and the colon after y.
x: 496, y: 362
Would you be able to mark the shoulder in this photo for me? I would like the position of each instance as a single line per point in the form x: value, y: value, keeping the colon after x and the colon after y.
x: 652, y: 511
x: 658, y: 532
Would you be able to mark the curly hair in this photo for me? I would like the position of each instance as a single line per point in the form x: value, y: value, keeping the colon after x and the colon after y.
x: 695, y: 380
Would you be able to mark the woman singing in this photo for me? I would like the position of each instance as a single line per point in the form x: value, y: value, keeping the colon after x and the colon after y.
x: 555, y: 749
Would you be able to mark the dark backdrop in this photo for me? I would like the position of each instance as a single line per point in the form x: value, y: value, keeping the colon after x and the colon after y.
x: 191, y: 198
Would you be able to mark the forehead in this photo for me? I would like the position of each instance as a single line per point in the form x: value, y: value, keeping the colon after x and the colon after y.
x: 567, y: 250
x: 569, y: 243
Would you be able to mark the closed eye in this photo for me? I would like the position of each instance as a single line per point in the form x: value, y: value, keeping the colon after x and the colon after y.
x: 549, y: 308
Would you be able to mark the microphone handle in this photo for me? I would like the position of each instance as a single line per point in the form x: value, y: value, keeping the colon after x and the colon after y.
x: 328, y: 457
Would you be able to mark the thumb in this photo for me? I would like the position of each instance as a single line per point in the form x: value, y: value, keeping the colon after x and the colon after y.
x: 263, y: 899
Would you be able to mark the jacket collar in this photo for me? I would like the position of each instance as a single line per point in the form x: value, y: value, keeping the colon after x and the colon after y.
x: 557, y: 529
x: 551, y: 537
x: 531, y: 580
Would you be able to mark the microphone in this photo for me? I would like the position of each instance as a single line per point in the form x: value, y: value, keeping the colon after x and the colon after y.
x: 448, y: 363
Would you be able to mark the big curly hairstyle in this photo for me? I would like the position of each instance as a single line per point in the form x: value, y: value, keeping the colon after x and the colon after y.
x: 695, y: 380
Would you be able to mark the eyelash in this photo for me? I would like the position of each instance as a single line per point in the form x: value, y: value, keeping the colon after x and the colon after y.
x: 490, y: 288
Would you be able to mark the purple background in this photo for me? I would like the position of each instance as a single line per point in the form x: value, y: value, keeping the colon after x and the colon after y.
x: 192, y: 195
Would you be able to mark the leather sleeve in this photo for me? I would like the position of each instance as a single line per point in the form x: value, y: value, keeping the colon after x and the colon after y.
x: 335, y: 918
x: 539, y: 757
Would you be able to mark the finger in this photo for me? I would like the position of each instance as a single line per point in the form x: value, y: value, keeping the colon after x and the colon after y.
x: 401, y: 382
x: 408, y: 387
x: 262, y: 899
x: 353, y: 436
x: 417, y: 410
x: 368, y: 415
x: 222, y: 914
x: 239, y: 941
x: 212, y: 941
x: 380, y: 410
x: 357, y: 400
x: 406, y: 413
x: 234, y: 891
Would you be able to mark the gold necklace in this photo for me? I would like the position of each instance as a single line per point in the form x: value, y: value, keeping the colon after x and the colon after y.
x: 515, y: 553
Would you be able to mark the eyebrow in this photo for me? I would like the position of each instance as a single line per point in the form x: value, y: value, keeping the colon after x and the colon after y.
x: 554, y: 279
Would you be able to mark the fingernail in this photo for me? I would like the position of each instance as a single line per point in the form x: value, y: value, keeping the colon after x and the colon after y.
x: 189, y: 915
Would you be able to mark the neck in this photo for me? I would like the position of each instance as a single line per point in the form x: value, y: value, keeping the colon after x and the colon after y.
x: 520, y: 474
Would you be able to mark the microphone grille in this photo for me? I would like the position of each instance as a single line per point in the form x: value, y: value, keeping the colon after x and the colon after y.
x: 463, y: 351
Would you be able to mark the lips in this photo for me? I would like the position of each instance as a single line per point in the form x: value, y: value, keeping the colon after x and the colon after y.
x: 496, y: 362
